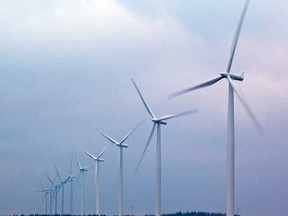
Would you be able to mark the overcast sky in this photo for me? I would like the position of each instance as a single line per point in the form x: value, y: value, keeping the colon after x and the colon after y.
x: 66, y: 69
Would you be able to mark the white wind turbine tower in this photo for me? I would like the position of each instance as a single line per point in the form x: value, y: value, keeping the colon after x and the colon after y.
x: 121, y: 145
x: 61, y: 185
x: 97, y: 160
x: 157, y: 122
x: 230, y: 77
x: 82, y: 171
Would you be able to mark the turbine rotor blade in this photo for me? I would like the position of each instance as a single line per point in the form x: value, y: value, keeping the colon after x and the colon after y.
x: 58, y: 173
x: 57, y: 188
x: 108, y: 138
x: 42, y: 186
x: 43, y: 200
x: 166, y: 117
x: 71, y: 164
x: 87, y: 167
x: 144, y: 102
x: 90, y: 155
x: 129, y: 134
x: 246, y: 106
x: 202, y: 85
x: 52, y: 183
x: 78, y: 162
x: 238, y: 30
x: 126, y: 136
x: 147, y: 144
x: 102, y: 152
x: 66, y: 180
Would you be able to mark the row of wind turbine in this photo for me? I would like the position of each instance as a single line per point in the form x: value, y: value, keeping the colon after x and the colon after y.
x: 54, y: 189
x: 157, y: 123
x: 52, y: 192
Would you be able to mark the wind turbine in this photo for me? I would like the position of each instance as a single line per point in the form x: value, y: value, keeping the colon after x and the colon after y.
x: 82, y: 171
x: 230, y: 77
x: 121, y: 145
x: 51, y: 194
x: 56, y: 191
x: 157, y: 122
x: 46, y: 193
x: 97, y: 160
x: 71, y: 178
x: 61, y: 185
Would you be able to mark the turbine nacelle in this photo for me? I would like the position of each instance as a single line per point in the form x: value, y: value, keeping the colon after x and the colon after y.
x: 123, y: 145
x: 71, y: 177
x: 157, y: 121
x: 233, y: 76
x: 100, y: 159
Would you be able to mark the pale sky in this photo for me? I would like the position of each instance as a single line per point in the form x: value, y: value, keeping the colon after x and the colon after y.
x: 66, y: 69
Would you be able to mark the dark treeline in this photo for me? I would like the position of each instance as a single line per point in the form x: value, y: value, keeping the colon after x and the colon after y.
x: 194, y: 214
x: 172, y: 214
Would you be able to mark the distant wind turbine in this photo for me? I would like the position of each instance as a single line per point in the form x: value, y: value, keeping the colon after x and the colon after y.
x: 82, y: 171
x: 71, y: 178
x: 51, y: 193
x: 45, y: 198
x: 97, y: 160
x: 61, y: 185
x: 157, y: 122
x: 230, y: 77
x: 121, y: 145
x: 56, y: 191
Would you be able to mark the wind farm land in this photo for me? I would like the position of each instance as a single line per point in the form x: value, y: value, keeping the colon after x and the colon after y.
x: 155, y: 108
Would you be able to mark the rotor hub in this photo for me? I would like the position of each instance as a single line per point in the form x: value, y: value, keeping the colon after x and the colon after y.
x: 233, y: 76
